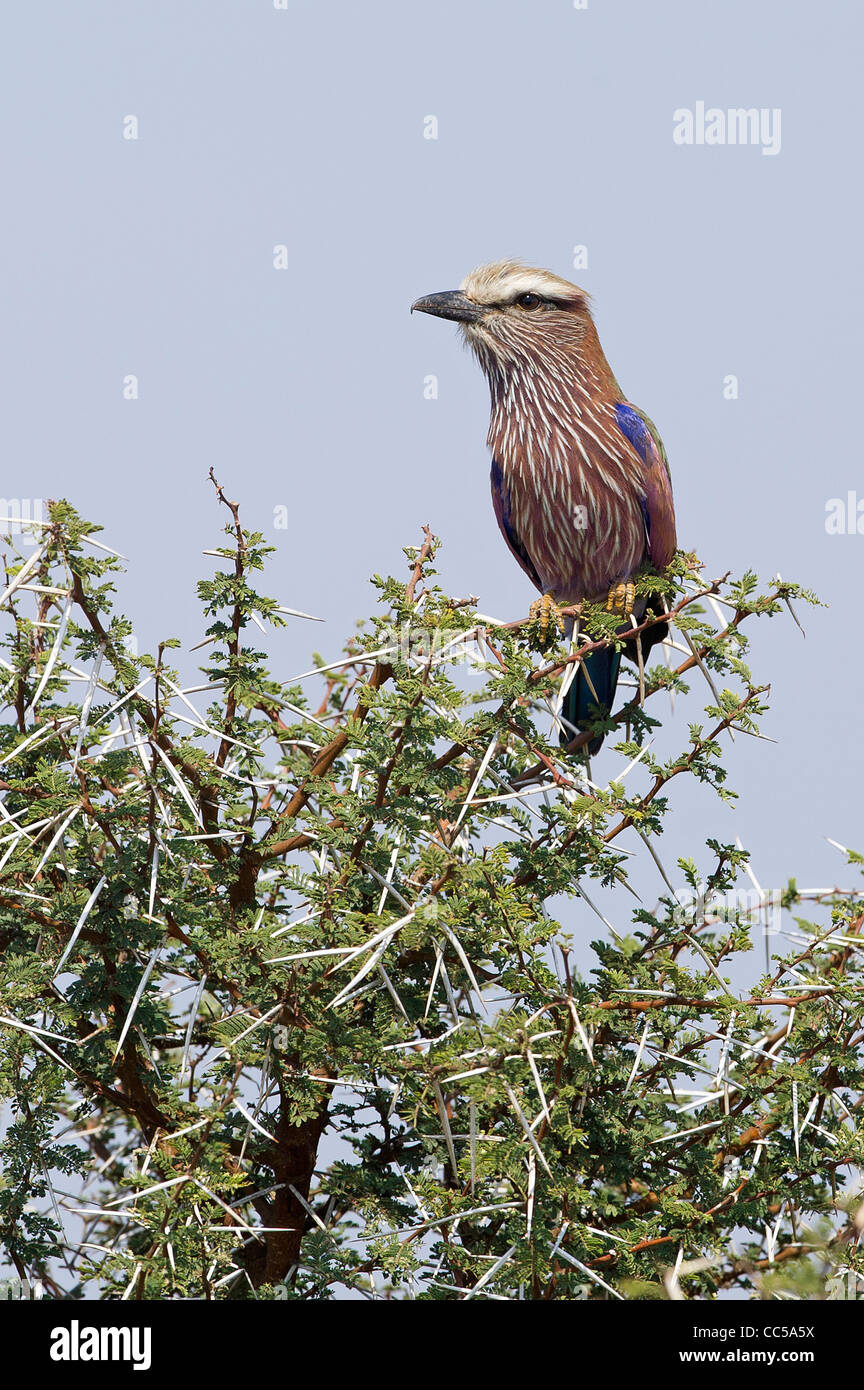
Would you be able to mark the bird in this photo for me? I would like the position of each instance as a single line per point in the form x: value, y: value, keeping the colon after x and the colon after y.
x: 580, y: 479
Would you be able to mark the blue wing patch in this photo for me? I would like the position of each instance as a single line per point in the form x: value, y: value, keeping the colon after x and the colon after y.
x: 512, y: 538
x: 633, y: 427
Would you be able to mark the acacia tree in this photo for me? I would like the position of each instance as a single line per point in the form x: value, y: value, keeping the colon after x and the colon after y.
x: 286, y: 1009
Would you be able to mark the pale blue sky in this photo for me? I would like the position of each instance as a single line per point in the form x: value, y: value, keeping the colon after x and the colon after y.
x: 305, y: 126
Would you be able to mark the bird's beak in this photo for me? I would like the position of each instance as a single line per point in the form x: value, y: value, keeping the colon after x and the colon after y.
x: 450, y: 304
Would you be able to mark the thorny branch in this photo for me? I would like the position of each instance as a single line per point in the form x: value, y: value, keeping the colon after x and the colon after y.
x: 245, y: 974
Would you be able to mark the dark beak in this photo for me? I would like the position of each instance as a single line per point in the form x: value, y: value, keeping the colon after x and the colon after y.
x: 450, y: 304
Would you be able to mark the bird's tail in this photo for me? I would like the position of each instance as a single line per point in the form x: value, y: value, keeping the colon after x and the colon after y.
x: 593, y: 690
x: 584, y: 704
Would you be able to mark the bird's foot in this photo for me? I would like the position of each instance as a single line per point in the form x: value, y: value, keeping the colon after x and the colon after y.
x: 621, y: 599
x: 545, y: 614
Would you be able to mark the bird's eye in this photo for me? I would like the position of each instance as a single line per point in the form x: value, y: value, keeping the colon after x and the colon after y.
x: 529, y: 301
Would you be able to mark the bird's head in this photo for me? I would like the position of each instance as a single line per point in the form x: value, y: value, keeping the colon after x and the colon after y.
x: 512, y: 314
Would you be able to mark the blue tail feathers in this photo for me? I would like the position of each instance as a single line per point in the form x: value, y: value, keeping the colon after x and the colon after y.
x: 582, y: 705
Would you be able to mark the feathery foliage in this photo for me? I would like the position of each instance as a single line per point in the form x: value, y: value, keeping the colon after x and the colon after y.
x: 287, y: 1010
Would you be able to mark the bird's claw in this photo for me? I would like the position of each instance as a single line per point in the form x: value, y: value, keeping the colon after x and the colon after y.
x: 543, y: 613
x: 621, y: 599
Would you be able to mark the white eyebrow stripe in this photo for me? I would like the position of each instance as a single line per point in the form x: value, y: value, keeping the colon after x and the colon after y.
x: 507, y: 280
